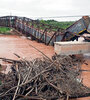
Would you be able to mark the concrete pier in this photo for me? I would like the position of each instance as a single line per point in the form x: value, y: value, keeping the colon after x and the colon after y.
x: 70, y: 48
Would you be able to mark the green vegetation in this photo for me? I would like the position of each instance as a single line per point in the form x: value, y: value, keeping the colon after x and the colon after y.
x: 0, y: 82
x: 62, y: 25
x: 42, y: 24
x: 4, y: 30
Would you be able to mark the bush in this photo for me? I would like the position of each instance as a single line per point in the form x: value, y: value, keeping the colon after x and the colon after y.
x: 4, y: 30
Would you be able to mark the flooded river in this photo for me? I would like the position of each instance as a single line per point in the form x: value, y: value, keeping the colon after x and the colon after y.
x: 10, y: 44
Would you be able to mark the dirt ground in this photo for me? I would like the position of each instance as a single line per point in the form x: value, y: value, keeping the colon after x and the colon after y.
x: 10, y: 44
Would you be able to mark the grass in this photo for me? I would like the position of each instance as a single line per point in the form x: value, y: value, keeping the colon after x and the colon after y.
x: 4, y: 30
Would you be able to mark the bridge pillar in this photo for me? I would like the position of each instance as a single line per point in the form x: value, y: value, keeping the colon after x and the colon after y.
x: 71, y: 48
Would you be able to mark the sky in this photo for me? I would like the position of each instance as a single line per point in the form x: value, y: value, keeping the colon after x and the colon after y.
x: 45, y: 8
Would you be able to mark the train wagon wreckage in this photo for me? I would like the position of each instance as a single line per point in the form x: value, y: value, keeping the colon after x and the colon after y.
x: 45, y: 78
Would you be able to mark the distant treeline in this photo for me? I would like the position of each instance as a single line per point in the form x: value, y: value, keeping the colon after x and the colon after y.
x: 62, y: 25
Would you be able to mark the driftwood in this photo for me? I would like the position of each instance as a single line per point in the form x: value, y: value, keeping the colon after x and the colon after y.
x: 56, y: 78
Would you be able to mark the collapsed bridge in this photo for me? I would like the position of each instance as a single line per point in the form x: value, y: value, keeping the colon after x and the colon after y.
x: 33, y: 29
x: 47, y: 34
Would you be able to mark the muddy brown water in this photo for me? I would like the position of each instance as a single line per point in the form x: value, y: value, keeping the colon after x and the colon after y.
x: 10, y: 44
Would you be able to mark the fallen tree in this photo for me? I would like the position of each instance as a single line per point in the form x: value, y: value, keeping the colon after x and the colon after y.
x: 56, y: 78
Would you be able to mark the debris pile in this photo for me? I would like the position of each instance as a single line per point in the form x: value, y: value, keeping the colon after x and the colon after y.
x: 50, y: 79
